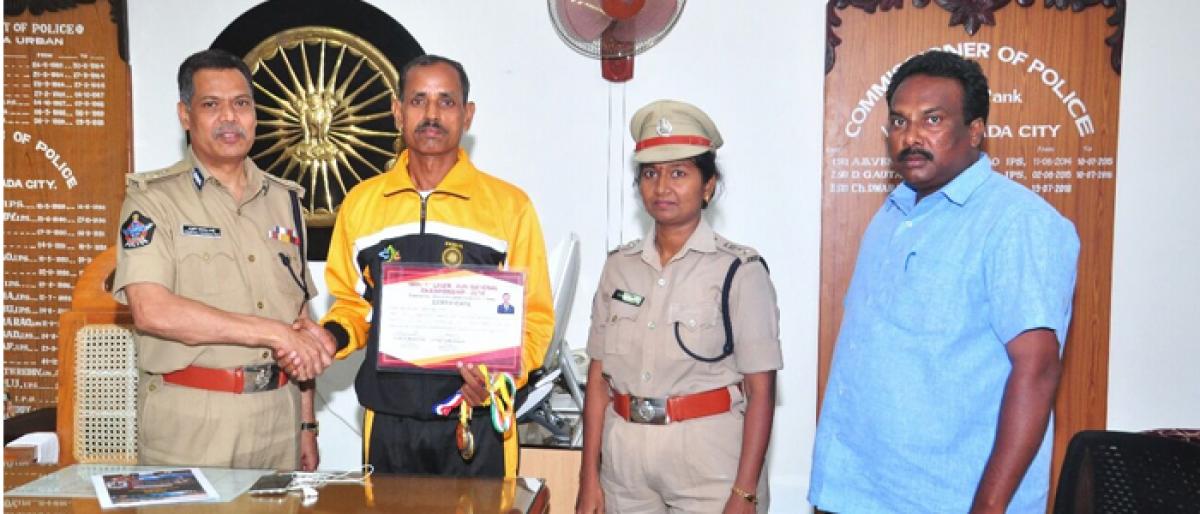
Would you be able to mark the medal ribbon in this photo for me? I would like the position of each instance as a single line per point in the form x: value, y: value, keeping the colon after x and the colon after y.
x: 501, y: 393
x: 464, y: 414
x: 445, y: 407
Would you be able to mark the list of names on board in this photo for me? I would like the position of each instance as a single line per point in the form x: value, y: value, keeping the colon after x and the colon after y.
x: 66, y: 141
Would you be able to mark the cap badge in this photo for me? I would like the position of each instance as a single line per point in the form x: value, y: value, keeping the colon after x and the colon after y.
x: 664, y: 127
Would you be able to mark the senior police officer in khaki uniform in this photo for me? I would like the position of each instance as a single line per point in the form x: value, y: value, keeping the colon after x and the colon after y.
x: 211, y: 263
x: 684, y: 344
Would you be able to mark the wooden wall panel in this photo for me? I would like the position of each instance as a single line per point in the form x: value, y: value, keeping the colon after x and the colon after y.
x: 1054, y: 75
x: 67, y: 125
x: 559, y: 467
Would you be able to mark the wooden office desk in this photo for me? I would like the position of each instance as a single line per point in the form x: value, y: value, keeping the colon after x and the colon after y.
x: 383, y: 493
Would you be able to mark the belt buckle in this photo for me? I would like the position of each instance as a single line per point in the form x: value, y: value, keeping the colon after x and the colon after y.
x: 650, y: 411
x: 259, y: 378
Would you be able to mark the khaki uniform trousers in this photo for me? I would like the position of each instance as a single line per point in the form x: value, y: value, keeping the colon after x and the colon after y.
x: 678, y: 467
x: 184, y: 426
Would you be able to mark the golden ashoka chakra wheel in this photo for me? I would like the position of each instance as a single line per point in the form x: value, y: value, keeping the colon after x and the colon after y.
x: 324, y: 100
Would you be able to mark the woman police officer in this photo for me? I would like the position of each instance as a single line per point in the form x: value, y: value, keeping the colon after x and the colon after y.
x: 684, y: 344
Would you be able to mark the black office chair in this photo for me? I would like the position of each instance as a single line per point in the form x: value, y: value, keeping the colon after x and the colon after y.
x: 41, y: 420
x: 1122, y: 472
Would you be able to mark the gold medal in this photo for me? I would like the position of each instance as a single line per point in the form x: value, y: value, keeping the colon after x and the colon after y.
x: 462, y: 433
x: 466, y: 442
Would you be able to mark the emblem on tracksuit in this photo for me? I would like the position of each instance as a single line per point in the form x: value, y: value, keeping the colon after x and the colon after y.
x: 389, y: 254
x: 452, y: 255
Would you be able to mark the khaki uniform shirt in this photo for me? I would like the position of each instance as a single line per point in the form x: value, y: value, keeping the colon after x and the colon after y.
x: 637, y: 343
x: 182, y: 229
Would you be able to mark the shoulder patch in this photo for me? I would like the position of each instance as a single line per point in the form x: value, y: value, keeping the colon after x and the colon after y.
x: 137, y: 231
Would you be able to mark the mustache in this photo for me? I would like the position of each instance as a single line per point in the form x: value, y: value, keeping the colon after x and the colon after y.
x: 908, y: 152
x: 229, y: 128
x: 430, y: 123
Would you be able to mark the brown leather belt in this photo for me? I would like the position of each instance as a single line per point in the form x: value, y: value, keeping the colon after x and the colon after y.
x: 246, y: 379
x: 660, y: 411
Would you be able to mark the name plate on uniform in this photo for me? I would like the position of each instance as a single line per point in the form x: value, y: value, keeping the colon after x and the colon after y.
x: 431, y: 318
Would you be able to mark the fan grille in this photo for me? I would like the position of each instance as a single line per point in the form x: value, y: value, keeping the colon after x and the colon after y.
x: 609, y: 46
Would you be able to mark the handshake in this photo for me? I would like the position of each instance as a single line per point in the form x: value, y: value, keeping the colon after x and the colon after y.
x: 304, y: 350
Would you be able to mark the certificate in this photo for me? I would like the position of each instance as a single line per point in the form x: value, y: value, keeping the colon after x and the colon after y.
x: 431, y: 318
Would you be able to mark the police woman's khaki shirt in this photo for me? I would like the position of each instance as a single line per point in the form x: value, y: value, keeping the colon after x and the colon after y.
x: 637, y: 342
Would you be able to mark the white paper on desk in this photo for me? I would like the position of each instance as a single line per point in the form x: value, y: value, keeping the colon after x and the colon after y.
x: 75, y: 481
x: 153, y: 487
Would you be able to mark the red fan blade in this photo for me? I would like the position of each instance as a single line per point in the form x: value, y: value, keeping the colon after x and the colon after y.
x: 653, y: 17
x: 584, y: 18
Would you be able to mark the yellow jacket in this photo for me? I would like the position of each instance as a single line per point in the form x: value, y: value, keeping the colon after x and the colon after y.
x: 470, y: 218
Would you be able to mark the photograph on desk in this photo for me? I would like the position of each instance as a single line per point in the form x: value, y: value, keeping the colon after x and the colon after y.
x: 153, y: 487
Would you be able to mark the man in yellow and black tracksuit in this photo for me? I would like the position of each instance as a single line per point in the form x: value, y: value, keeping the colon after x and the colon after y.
x: 433, y: 207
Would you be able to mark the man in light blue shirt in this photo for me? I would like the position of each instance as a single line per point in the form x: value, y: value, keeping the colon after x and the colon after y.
x: 949, y: 355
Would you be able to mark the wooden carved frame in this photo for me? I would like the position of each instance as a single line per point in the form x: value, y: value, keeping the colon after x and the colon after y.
x: 973, y: 14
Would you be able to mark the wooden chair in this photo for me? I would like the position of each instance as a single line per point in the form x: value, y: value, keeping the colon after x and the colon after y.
x: 97, y: 375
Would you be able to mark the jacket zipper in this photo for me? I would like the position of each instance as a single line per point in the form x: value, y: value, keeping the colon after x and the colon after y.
x: 424, y: 200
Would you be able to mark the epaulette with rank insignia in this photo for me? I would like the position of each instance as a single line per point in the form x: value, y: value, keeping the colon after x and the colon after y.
x: 299, y: 189
x: 745, y: 254
x: 626, y: 246
x: 742, y: 252
x: 141, y: 180
x: 757, y: 258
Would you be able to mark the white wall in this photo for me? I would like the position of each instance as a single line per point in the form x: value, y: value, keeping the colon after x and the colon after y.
x: 1154, y: 348
x: 542, y: 123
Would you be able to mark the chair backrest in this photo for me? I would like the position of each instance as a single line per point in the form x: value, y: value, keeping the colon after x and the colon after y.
x: 1122, y: 472
x: 564, y: 277
x: 97, y: 375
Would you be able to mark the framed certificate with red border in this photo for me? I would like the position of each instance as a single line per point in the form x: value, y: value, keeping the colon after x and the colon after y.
x: 430, y: 318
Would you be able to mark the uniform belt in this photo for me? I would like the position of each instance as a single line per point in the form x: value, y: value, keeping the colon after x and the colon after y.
x: 245, y: 379
x: 660, y: 411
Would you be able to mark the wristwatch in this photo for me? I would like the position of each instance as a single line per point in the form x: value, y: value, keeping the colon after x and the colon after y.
x: 312, y: 426
x: 746, y: 495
